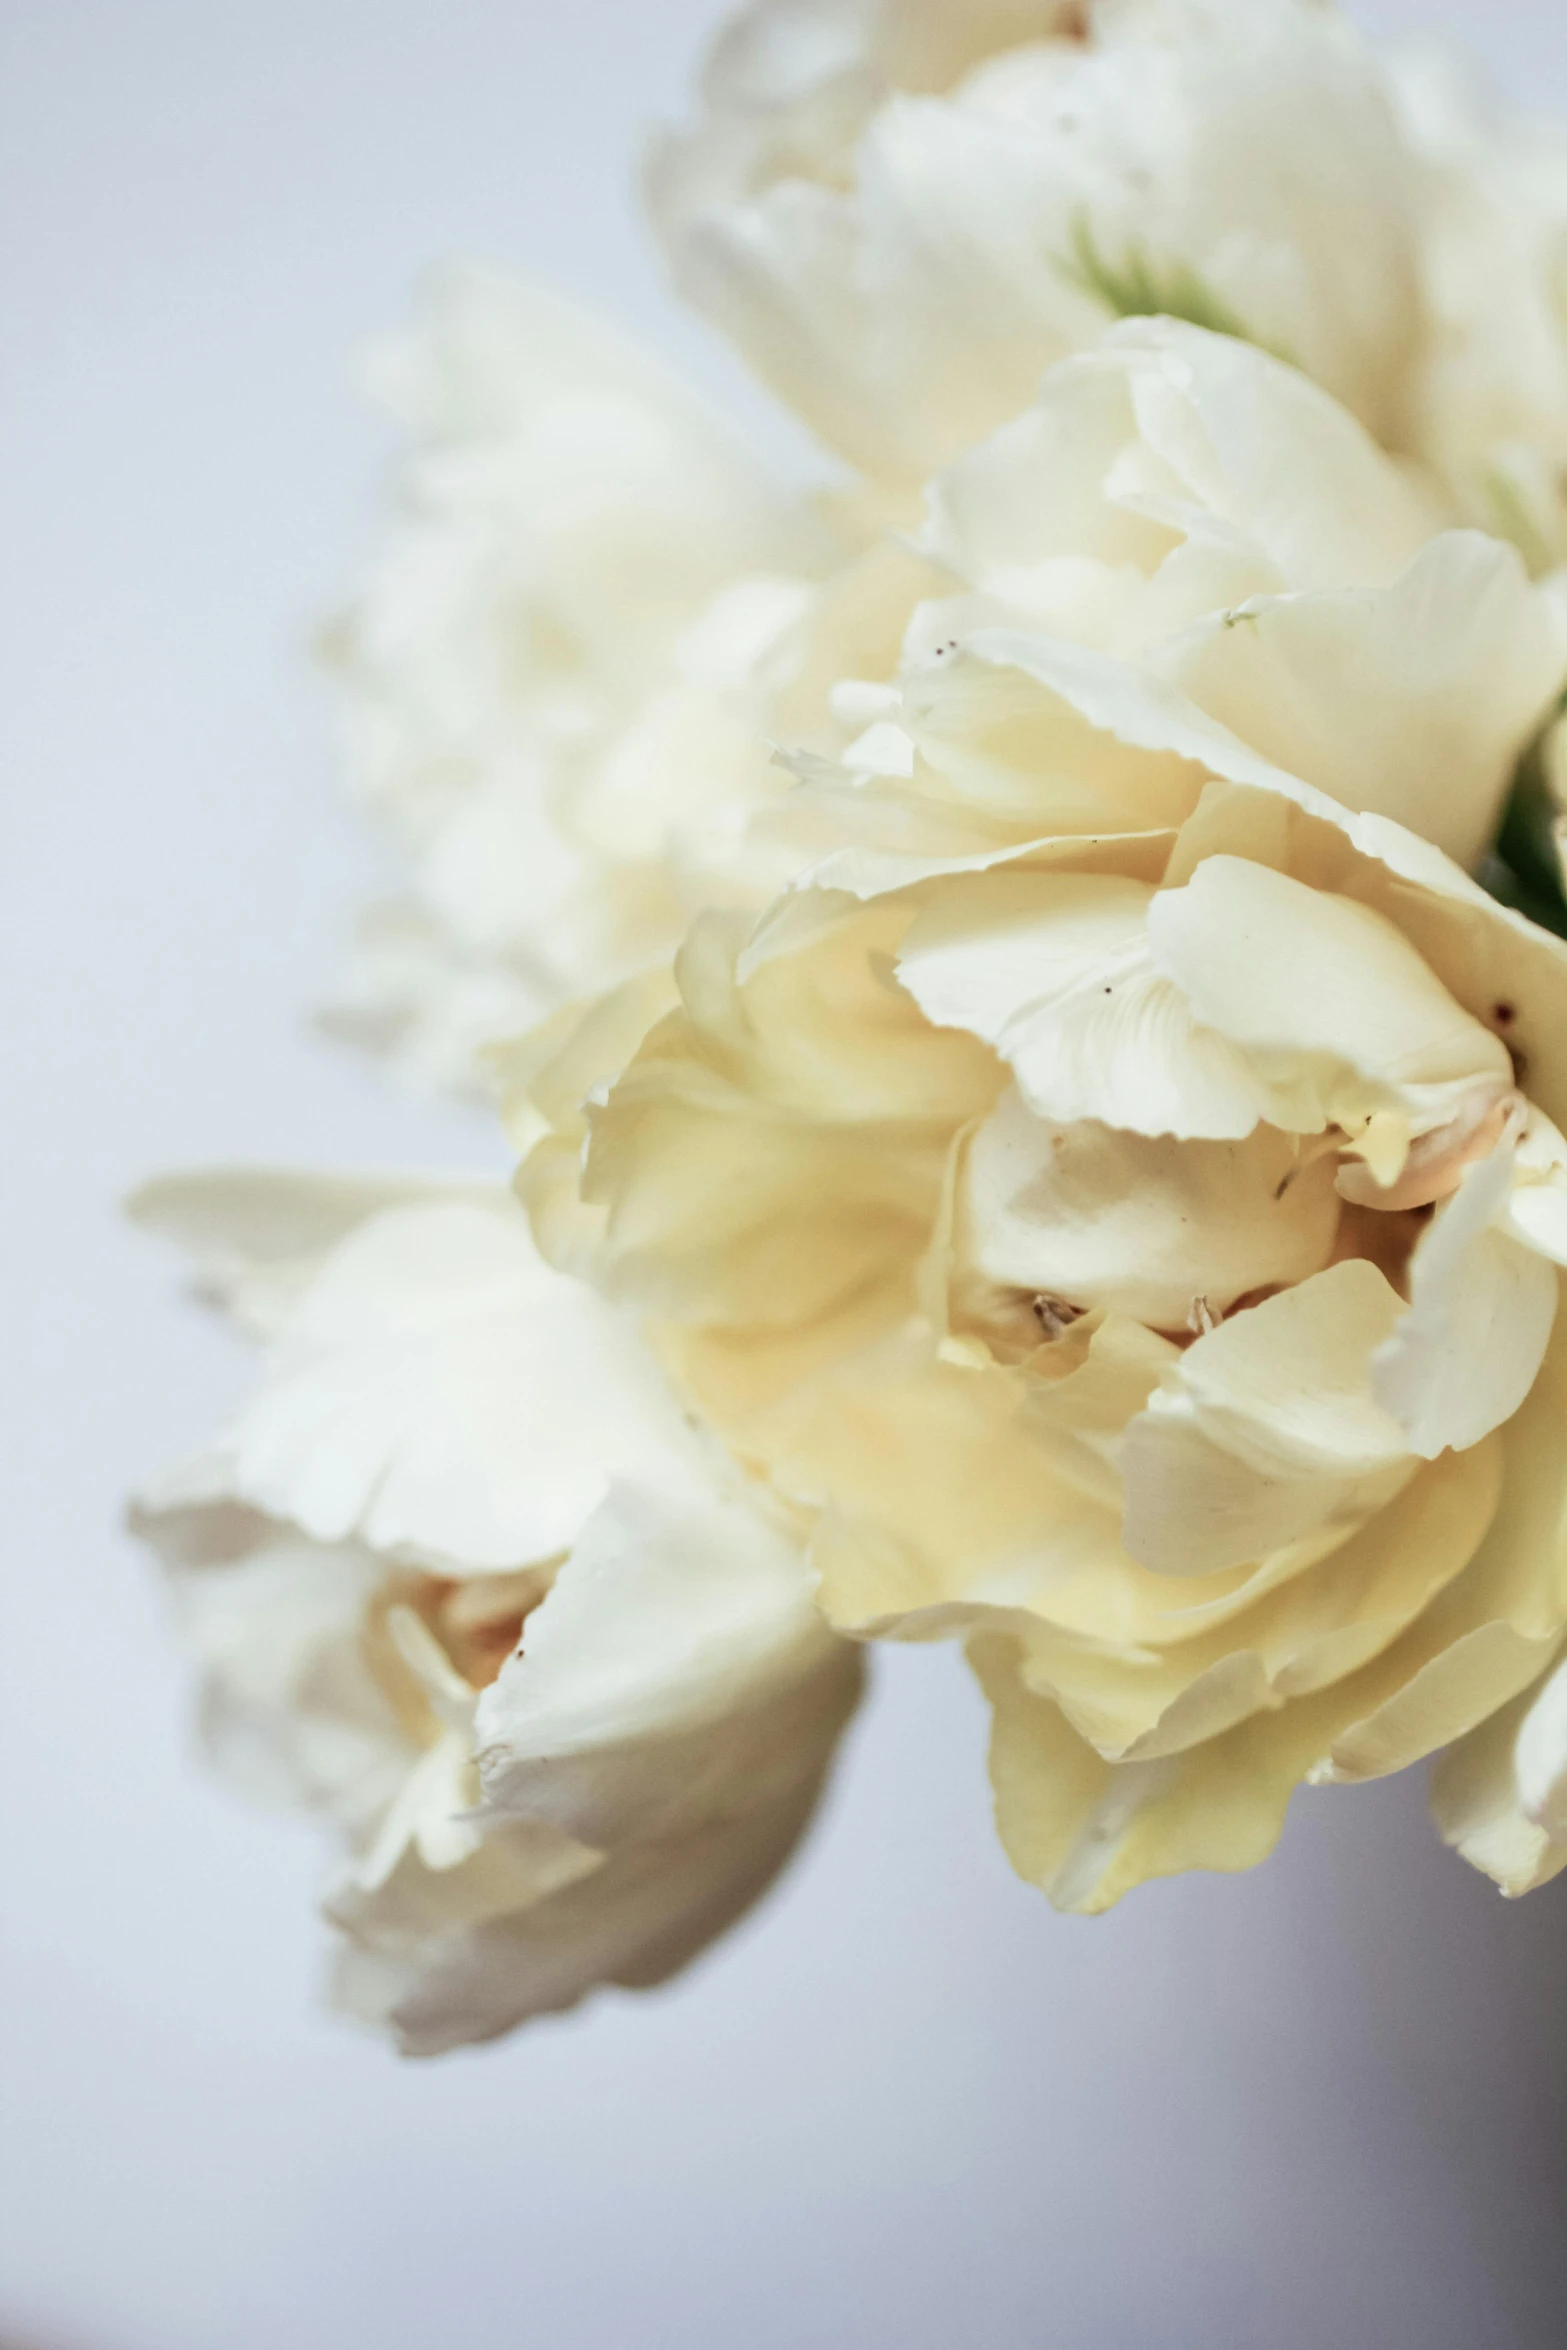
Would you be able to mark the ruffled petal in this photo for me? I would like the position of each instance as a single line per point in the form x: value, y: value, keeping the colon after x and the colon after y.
x: 1055, y: 972
x: 1540, y: 1758
x: 1334, y: 1010
x: 443, y: 1396
x: 1482, y: 1307
x: 1266, y: 1430
x: 1165, y: 1232
x: 1485, y: 1801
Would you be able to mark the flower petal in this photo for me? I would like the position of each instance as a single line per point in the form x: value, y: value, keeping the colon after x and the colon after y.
x: 1266, y: 1430
x: 1412, y: 701
x: 1054, y: 970
x: 1144, y: 1226
x: 442, y: 1395
x: 1481, y: 1311
x: 677, y: 1676
x: 1486, y: 1800
x: 1334, y: 1010
x: 1540, y: 1758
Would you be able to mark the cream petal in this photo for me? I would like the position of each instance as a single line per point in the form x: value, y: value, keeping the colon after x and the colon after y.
x: 1158, y: 463
x: 1334, y: 1010
x: 1540, y: 1759
x: 553, y: 1922
x: 1054, y: 971
x: 1482, y: 1306
x: 444, y: 1396
x: 1086, y: 1830
x: 1065, y: 737
x: 1266, y: 1430
x: 1031, y: 496
x: 430, y: 1817
x: 289, y: 1709
x: 677, y: 1675
x: 1490, y: 1634
x: 1219, y: 413
x: 1535, y: 1210
x: 258, y: 1235
x: 1412, y: 701
x: 1478, y: 1803
x: 1143, y: 1226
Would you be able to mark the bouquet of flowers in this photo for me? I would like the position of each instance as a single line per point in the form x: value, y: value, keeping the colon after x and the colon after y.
x: 1026, y: 985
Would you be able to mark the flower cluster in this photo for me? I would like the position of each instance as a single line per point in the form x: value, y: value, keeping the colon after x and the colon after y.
x: 1022, y: 982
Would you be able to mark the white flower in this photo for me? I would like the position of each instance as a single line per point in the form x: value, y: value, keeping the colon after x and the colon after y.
x: 902, y: 210
x: 462, y: 1489
x: 549, y: 663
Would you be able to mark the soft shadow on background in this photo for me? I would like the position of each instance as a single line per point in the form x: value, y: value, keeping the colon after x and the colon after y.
x: 904, y: 2105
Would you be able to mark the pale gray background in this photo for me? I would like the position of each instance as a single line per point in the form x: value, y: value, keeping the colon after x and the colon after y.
x: 905, y: 2106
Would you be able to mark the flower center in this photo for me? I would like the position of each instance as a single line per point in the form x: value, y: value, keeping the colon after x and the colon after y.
x: 477, y: 1620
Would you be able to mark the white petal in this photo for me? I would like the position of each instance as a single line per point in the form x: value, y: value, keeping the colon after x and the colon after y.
x: 1540, y: 1757
x: 258, y: 1236
x: 1482, y: 1306
x: 1142, y: 1226
x: 1412, y: 701
x: 558, y: 1923
x: 1333, y: 1009
x: 289, y: 1709
x: 1266, y: 1431
x: 678, y: 1673
x: 1054, y: 971
x: 1478, y: 1804
x: 1068, y: 738
x: 1535, y: 1210
x: 444, y: 1396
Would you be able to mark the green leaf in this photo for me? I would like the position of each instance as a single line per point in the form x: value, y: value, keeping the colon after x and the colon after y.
x: 1525, y: 871
x: 1503, y: 884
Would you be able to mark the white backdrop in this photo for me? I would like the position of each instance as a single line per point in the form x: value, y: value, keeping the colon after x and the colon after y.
x: 905, y: 2105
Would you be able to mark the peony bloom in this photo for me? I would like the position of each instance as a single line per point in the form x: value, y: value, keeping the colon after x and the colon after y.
x: 1030, y: 1132
x: 902, y: 210
x: 462, y: 1515
x: 1118, y: 1191
x: 581, y: 589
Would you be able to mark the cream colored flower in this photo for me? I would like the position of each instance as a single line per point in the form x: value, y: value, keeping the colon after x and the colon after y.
x: 462, y: 1510
x: 903, y: 210
x: 548, y: 677
x: 1119, y: 1193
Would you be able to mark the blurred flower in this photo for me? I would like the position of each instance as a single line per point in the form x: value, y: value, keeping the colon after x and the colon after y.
x: 582, y: 579
x: 462, y: 1511
x: 903, y: 210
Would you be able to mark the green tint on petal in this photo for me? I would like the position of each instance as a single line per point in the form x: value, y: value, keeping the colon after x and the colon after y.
x: 1138, y: 286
